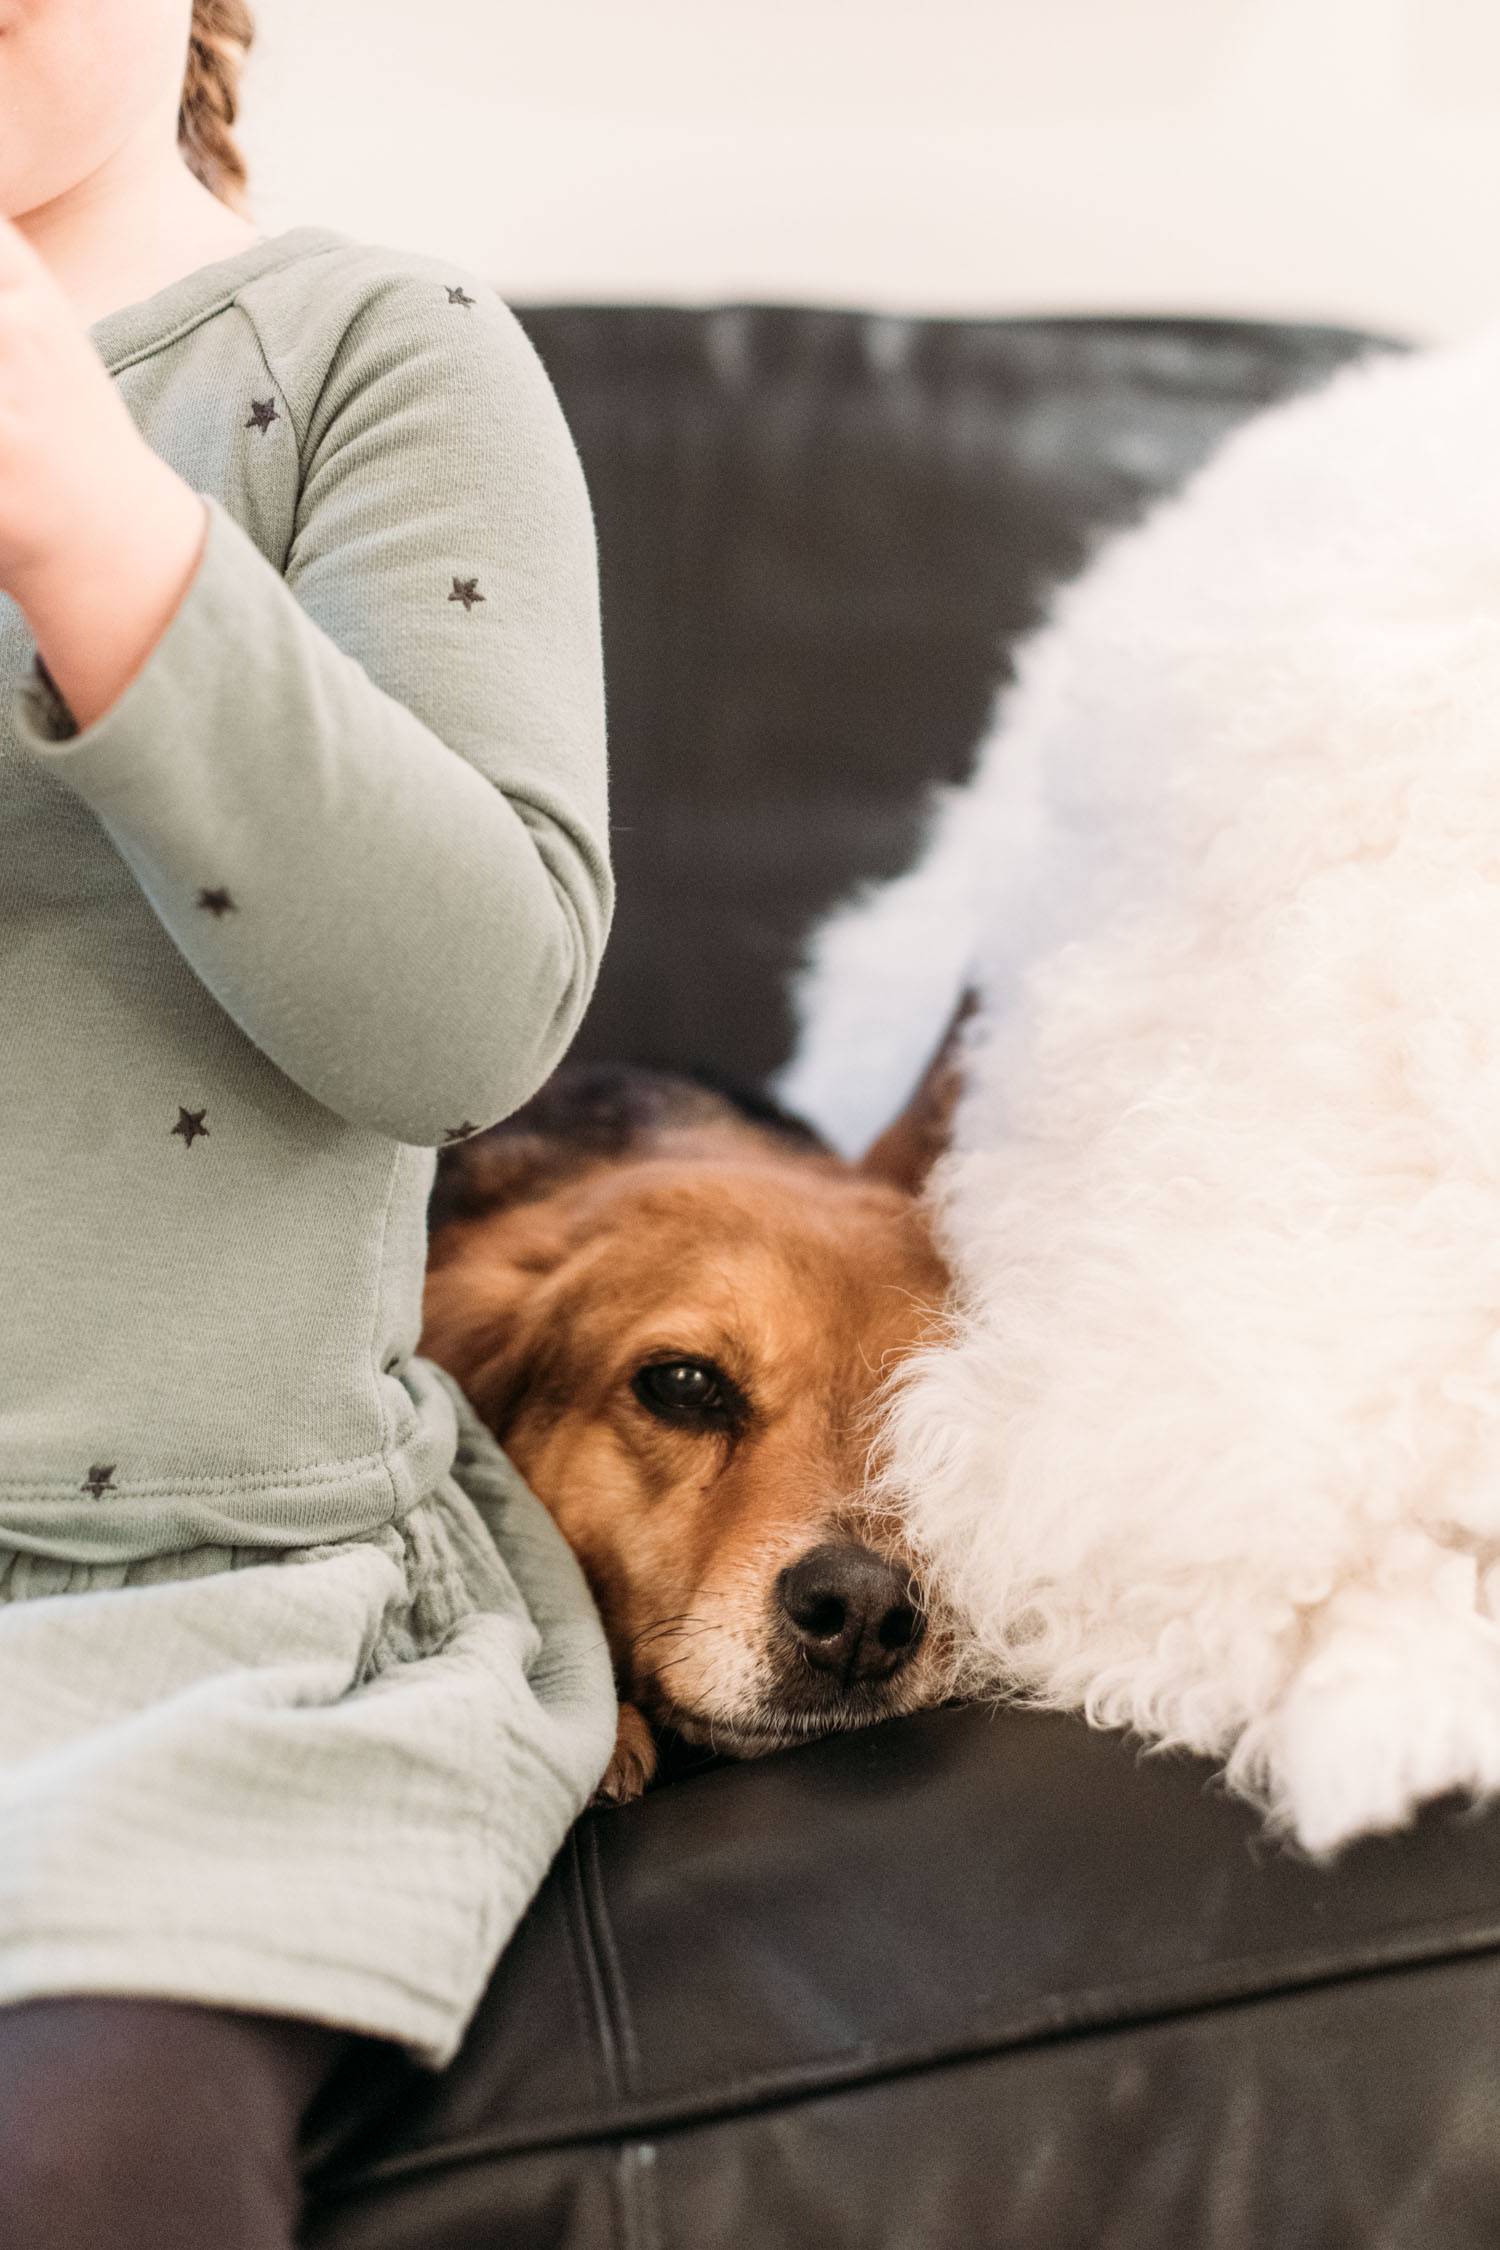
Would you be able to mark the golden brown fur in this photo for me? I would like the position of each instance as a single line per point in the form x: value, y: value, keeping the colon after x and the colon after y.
x: 628, y: 1222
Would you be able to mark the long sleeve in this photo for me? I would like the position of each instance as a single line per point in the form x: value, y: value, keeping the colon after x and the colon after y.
x: 365, y: 793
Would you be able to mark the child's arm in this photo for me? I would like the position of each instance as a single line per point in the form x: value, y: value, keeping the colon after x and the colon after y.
x: 390, y: 761
x: 93, y: 634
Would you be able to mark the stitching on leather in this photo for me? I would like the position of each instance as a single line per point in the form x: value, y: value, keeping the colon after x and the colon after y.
x: 673, y: 2114
x: 635, y: 2185
x: 610, y: 1960
x: 648, y: 2177
x: 583, y: 1978
x: 581, y: 1927
x: 619, y: 2200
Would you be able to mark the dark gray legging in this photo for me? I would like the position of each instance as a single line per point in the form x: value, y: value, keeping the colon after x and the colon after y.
x: 151, y: 2125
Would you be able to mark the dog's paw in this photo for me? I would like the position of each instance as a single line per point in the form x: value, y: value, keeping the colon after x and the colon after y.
x: 632, y: 1764
x: 1400, y: 1709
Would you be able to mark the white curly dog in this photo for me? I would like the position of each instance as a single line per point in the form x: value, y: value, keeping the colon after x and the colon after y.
x: 1213, y: 1449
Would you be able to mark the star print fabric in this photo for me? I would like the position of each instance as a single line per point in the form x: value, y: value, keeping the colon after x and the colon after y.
x: 293, y: 738
x: 300, y: 1687
x: 325, y: 889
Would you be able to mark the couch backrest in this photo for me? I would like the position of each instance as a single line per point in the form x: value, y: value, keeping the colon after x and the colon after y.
x: 820, y: 535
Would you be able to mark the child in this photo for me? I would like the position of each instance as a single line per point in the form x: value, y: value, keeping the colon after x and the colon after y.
x: 303, y: 873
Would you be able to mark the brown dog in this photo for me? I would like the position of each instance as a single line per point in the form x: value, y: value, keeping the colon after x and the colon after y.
x: 675, y: 1307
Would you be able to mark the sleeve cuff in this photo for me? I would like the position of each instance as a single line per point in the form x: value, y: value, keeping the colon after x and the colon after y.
x: 40, y: 716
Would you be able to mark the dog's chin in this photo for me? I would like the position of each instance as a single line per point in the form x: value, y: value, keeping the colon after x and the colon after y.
x: 736, y: 1738
x: 742, y: 1735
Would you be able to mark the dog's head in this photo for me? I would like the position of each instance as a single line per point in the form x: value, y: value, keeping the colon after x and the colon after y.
x: 675, y: 1306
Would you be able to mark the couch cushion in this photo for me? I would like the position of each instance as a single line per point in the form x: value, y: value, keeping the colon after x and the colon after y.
x: 971, y: 1980
x: 820, y: 534
x: 962, y: 1979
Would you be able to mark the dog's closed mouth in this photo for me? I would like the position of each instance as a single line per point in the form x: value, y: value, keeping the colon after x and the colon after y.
x: 777, y: 1730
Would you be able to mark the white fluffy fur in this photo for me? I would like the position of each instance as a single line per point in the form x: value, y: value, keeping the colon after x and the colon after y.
x: 1214, y: 1449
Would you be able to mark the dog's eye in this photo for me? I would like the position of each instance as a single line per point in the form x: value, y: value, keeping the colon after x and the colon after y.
x: 689, y: 1391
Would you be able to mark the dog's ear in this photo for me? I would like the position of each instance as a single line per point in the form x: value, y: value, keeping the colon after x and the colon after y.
x: 493, y: 1171
x: 585, y: 1114
x: 906, y: 1151
x: 500, y: 1221
x: 498, y: 1227
x: 484, y: 1305
x: 588, y: 1114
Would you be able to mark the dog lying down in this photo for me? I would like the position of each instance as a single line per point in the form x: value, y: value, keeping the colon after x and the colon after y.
x: 1215, y: 1452
x: 674, y: 1306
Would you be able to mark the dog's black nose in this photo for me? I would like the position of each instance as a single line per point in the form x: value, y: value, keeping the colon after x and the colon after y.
x: 850, y: 1611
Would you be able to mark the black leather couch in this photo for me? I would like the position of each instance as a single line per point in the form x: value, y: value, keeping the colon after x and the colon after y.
x: 973, y: 1978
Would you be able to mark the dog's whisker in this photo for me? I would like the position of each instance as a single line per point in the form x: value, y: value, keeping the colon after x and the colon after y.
x: 657, y: 1646
x: 668, y: 1624
x: 680, y: 1630
x: 673, y: 1660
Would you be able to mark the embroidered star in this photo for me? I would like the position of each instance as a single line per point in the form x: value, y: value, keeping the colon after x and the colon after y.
x: 457, y: 297
x: 459, y: 1132
x: 97, y: 1480
x: 190, y: 1124
x: 466, y: 590
x: 262, y: 414
x: 217, y: 902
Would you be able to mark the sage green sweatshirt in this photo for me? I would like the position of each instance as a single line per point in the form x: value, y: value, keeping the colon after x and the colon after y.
x: 324, y: 889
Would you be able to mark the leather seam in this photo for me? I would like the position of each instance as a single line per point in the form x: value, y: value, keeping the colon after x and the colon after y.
x: 587, y: 1964
x: 674, y: 2114
x: 610, y: 1961
x: 587, y: 1996
x: 634, y: 2185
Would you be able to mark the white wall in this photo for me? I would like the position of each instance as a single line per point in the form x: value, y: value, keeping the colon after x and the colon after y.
x: 1326, y: 159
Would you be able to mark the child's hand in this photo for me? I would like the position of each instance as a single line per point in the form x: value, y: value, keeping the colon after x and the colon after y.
x: 98, y: 536
x: 66, y: 437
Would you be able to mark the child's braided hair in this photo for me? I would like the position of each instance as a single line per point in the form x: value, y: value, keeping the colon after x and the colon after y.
x: 221, y: 36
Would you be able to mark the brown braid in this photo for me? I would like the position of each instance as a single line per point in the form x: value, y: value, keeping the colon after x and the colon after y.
x: 221, y: 36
